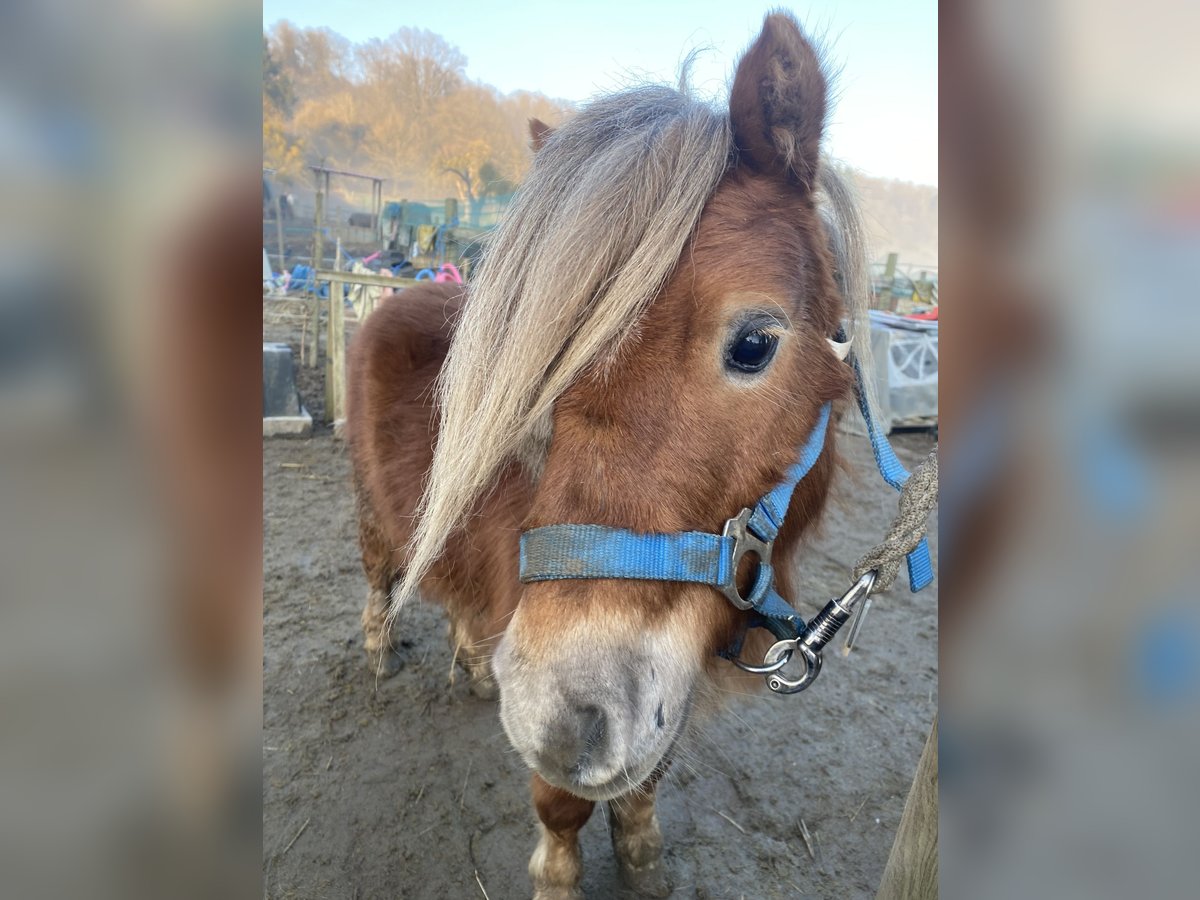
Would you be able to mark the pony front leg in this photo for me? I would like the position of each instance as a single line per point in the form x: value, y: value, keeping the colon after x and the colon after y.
x: 637, y: 842
x: 557, y: 866
x: 379, y: 567
x: 377, y: 635
x: 474, y: 655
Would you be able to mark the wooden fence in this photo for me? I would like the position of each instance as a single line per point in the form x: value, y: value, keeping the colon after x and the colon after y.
x: 335, y: 335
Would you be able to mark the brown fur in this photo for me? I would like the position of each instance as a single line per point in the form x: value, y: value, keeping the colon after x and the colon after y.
x: 391, y: 429
x: 655, y: 440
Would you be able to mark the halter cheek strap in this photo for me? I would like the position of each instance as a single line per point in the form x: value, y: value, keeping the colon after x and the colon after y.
x: 556, y: 552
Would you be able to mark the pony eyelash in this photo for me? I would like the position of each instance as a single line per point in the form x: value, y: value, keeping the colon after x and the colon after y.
x: 760, y: 320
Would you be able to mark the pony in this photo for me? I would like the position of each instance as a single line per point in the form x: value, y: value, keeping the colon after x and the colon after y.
x: 651, y: 334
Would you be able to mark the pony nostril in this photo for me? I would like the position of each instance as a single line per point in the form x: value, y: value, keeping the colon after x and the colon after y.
x: 593, y: 728
x: 578, y: 741
x: 659, y: 721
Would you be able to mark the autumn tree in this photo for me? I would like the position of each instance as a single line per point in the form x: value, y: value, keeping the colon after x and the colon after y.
x: 413, y: 68
x: 400, y: 107
x: 317, y: 61
x: 403, y: 81
x: 475, y: 147
x: 277, y: 86
x: 282, y: 151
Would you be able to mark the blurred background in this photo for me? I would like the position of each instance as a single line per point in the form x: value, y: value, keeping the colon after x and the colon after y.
x: 130, y: 476
x: 1069, y: 619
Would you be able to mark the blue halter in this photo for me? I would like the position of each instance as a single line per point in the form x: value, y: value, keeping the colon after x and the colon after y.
x: 556, y: 552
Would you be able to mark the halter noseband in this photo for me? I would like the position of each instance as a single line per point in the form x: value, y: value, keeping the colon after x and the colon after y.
x: 557, y: 552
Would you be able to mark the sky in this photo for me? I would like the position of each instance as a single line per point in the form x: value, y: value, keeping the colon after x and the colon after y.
x: 884, y: 117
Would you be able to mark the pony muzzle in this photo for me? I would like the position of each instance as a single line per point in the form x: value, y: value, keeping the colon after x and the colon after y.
x: 594, y: 709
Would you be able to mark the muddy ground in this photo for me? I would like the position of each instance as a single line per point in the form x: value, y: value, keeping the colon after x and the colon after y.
x: 406, y: 787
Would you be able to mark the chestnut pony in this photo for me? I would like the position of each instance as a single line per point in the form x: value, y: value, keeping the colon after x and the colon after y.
x: 646, y: 345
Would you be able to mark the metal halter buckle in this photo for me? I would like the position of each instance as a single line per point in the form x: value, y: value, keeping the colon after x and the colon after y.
x: 808, y: 646
x: 744, y: 541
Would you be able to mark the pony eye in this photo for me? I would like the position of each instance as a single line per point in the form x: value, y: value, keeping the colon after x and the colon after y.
x: 751, y: 351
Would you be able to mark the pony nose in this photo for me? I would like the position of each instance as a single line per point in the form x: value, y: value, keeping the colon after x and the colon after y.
x: 578, y: 743
x: 593, y: 730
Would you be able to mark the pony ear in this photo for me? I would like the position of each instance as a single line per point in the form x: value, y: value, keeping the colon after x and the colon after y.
x: 539, y: 133
x: 777, y: 103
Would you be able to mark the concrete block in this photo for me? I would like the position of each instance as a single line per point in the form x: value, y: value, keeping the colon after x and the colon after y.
x: 279, y: 382
x: 283, y: 416
x: 288, y: 426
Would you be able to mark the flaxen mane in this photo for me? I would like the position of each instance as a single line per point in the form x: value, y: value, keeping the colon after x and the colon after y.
x: 591, y: 237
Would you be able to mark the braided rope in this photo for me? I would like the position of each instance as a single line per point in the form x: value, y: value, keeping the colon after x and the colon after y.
x: 918, y: 498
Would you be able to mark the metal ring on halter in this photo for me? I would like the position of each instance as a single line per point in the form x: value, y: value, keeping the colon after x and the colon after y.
x: 812, y: 666
x: 745, y: 542
x: 768, y: 668
x: 820, y: 631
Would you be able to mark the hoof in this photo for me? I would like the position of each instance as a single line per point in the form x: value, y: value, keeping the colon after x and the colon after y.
x: 480, y: 680
x: 485, y: 689
x: 384, y: 664
x: 558, y: 894
x: 646, y: 881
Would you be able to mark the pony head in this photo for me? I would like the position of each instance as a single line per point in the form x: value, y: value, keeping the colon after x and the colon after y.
x: 650, y: 336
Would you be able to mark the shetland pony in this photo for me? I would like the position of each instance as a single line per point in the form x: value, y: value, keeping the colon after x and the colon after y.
x: 645, y: 345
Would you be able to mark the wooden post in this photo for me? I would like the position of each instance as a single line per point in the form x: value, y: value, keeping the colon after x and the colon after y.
x: 318, y: 252
x: 314, y: 336
x: 889, y: 268
x: 304, y: 340
x: 279, y: 232
x: 403, y: 235
x: 377, y: 208
x: 328, y: 199
x: 912, y: 866
x: 335, y: 356
x: 318, y: 236
x: 889, y: 277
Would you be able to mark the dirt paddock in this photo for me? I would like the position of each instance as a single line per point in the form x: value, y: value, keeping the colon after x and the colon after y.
x: 406, y: 787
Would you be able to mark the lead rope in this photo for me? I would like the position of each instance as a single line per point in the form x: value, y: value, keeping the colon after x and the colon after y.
x: 876, y: 571
x: 918, y: 498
